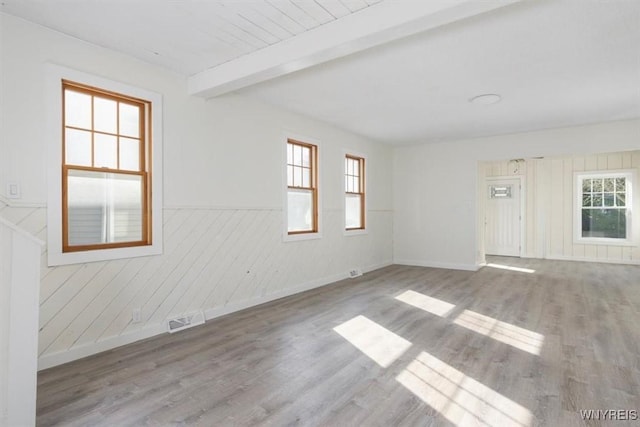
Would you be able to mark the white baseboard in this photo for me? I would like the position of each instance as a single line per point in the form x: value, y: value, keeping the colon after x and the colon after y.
x: 85, y: 350
x: 81, y: 351
x: 585, y: 259
x: 437, y: 264
x: 212, y: 313
x: 374, y: 267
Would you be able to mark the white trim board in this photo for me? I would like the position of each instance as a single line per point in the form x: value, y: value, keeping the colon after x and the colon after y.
x: 596, y: 260
x: 437, y: 264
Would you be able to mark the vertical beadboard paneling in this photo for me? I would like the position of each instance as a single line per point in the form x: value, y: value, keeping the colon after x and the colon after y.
x: 591, y: 252
x: 567, y: 206
x: 556, y: 208
x: 213, y: 258
x: 607, y: 161
x: 614, y: 253
x: 602, y: 161
x: 530, y: 215
x: 550, y: 198
x: 578, y: 166
x: 591, y: 163
x: 542, y: 207
x: 614, y: 161
x: 601, y: 251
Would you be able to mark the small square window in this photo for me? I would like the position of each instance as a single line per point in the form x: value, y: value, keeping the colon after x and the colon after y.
x: 500, y: 191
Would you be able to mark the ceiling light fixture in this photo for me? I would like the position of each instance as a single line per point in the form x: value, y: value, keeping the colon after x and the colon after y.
x: 486, y: 99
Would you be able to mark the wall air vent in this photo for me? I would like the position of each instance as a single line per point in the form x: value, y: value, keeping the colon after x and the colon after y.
x: 190, y: 320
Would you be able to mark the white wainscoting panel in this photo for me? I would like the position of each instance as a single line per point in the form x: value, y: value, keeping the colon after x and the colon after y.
x: 217, y: 260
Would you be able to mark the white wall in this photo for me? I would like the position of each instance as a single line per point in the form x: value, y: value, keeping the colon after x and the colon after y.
x: 436, y: 186
x: 549, y: 205
x: 222, y: 194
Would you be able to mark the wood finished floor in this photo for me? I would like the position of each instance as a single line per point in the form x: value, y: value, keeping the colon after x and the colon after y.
x: 283, y: 363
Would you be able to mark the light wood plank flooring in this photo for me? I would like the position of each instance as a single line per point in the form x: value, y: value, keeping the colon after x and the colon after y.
x: 493, y: 347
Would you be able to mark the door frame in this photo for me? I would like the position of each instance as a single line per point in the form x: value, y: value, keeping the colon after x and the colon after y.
x: 523, y: 197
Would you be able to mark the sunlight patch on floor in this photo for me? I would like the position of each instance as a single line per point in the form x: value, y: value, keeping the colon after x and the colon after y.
x: 459, y: 398
x: 511, y: 268
x: 504, y: 332
x: 377, y: 342
x: 426, y: 303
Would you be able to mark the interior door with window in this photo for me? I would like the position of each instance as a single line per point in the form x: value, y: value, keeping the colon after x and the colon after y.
x: 502, y: 217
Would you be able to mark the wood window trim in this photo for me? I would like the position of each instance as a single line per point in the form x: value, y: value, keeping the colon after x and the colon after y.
x: 144, y: 158
x: 313, y: 188
x: 361, y: 186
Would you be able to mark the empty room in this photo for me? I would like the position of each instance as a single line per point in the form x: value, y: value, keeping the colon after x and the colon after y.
x: 319, y: 213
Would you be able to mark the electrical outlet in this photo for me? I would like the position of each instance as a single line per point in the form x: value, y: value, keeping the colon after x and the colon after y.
x: 356, y: 272
x: 136, y: 315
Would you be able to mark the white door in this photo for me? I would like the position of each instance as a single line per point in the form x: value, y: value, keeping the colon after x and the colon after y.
x: 502, y: 217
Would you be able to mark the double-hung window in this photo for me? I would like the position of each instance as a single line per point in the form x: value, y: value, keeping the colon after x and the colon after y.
x: 354, y: 204
x: 302, y: 187
x: 603, y: 207
x: 105, y: 173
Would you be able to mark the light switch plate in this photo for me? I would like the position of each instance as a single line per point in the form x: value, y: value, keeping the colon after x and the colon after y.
x: 13, y: 190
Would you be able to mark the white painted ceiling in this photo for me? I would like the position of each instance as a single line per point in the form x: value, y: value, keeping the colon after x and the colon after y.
x: 554, y: 62
x: 186, y: 36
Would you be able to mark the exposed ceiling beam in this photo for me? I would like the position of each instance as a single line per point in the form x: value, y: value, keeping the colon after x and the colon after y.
x: 378, y: 24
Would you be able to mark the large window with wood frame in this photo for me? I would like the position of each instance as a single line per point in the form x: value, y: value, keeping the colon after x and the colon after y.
x: 354, y: 207
x: 106, y: 171
x: 302, y: 187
